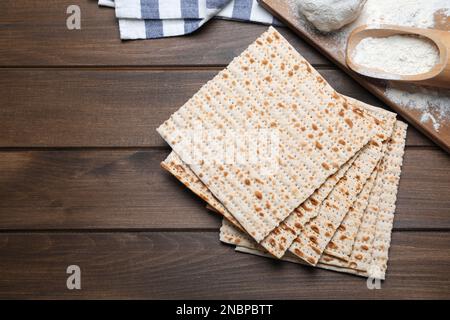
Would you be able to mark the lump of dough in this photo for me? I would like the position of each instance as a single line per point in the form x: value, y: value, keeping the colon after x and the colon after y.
x: 330, y: 15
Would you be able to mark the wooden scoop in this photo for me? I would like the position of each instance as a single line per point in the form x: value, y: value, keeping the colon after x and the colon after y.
x: 439, y: 76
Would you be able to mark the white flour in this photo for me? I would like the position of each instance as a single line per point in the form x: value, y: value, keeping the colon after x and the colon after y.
x: 410, y: 13
x: 413, y: 13
x: 398, y: 54
x: 432, y: 103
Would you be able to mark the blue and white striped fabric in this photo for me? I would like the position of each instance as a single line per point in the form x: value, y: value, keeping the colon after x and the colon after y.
x: 150, y: 19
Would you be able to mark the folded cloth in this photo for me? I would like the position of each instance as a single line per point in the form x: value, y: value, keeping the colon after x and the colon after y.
x: 247, y: 10
x: 106, y: 3
x: 168, y: 9
x: 149, y: 19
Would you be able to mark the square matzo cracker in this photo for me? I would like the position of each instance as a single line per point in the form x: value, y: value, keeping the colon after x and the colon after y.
x: 268, y: 87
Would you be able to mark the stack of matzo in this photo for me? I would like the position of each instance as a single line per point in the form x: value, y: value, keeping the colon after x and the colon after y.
x: 325, y: 195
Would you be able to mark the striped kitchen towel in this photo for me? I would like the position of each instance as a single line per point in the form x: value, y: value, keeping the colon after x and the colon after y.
x: 149, y: 19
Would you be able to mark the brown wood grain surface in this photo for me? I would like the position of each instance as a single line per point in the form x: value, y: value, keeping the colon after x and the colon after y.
x: 32, y: 35
x: 80, y: 181
x: 171, y: 265
x: 114, y: 108
x: 127, y: 189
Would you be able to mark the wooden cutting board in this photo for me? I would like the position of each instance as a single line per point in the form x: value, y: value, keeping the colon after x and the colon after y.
x: 428, y: 109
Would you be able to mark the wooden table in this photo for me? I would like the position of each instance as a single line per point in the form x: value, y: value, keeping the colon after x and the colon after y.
x: 80, y: 182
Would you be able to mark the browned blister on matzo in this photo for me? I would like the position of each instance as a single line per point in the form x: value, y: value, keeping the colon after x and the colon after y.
x: 271, y: 87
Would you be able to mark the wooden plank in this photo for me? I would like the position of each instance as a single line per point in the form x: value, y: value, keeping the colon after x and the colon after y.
x: 333, y: 47
x: 41, y: 38
x: 119, y: 108
x: 126, y: 189
x: 194, y: 265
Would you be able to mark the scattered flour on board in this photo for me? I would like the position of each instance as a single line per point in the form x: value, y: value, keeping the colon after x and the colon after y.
x: 412, y: 13
x: 433, y: 103
x: 398, y: 54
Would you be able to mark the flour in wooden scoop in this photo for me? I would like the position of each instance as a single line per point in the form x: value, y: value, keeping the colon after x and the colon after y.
x: 397, y: 54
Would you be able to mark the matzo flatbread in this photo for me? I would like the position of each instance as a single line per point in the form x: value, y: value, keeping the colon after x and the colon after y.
x: 317, y: 234
x: 317, y: 132
x: 232, y: 235
x: 385, y: 221
x: 370, y: 249
x: 247, y: 245
x: 281, y: 238
x: 345, y: 235
x: 296, y: 260
x: 182, y: 172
